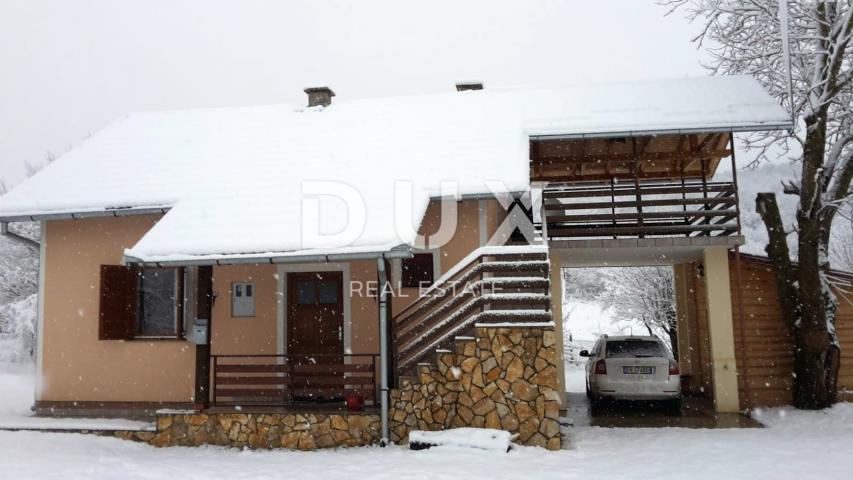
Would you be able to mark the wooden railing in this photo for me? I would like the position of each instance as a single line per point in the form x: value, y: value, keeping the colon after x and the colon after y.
x: 692, y: 208
x: 284, y: 379
x: 494, y: 284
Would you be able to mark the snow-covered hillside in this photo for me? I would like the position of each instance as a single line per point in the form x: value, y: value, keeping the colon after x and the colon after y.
x: 767, y: 177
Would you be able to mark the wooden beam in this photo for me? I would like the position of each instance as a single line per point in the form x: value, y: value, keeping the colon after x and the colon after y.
x: 621, y: 157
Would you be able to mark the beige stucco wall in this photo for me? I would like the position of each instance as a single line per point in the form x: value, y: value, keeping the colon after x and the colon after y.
x: 244, y: 335
x: 364, y: 310
x: 466, y: 238
x: 76, y: 366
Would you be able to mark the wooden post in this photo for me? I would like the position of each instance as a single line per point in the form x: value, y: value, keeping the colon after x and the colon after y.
x: 613, y: 203
x: 638, y: 197
x: 556, y: 277
x: 204, y: 310
x: 213, y: 382
x: 745, y: 402
x: 721, y: 329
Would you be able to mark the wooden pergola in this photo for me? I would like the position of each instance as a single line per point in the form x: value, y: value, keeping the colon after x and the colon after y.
x: 636, y: 186
x: 669, y: 156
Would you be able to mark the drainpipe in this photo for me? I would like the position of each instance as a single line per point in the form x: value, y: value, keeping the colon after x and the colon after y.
x: 383, y: 348
x: 4, y: 230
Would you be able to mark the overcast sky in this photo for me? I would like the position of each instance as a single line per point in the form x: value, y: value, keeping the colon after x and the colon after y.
x: 71, y: 67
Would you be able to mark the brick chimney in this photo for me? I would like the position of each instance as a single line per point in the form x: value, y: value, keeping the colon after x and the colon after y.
x: 319, y: 96
x: 465, y: 86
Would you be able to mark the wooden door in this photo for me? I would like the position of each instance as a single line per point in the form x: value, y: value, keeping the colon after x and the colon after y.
x: 315, y: 327
x: 315, y: 321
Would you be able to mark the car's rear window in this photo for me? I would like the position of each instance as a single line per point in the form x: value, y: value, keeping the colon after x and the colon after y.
x: 634, y: 349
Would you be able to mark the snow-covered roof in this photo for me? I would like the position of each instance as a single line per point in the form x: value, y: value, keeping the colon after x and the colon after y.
x: 233, y: 178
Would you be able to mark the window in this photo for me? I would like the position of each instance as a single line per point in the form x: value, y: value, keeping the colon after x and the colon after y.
x: 137, y: 302
x: 327, y: 293
x: 159, y: 302
x: 417, y: 272
x: 306, y: 292
x: 243, y: 299
x: 634, y: 349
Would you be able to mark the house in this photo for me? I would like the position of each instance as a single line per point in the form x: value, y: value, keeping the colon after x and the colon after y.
x: 225, y: 268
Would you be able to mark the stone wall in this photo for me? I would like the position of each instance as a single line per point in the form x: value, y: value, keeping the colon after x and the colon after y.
x: 504, y: 378
x: 259, y: 431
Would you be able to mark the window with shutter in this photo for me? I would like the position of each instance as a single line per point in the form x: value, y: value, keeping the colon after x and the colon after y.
x: 118, y: 306
x: 417, y: 272
x: 160, y: 301
x: 140, y: 302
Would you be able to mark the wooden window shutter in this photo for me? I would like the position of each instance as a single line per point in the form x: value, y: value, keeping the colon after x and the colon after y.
x: 119, y: 302
x: 204, y: 293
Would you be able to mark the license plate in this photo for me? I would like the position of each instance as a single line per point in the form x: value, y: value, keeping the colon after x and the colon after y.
x: 638, y: 370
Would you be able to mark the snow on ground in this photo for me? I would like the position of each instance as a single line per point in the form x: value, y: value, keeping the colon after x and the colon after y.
x: 797, y: 445
x: 482, y: 438
x: 17, y: 387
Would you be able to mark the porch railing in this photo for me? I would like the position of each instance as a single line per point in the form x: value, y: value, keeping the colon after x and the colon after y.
x: 658, y: 209
x: 494, y: 284
x: 288, y: 379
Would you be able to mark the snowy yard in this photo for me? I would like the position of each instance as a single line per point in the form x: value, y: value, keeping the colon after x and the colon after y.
x: 797, y: 444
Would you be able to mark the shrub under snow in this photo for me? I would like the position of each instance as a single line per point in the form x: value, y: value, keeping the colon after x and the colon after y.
x: 17, y: 329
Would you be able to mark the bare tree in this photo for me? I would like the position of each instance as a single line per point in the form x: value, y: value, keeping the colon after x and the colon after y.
x: 645, y: 294
x: 744, y: 37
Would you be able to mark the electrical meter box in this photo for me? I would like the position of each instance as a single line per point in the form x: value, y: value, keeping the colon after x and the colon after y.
x: 243, y: 299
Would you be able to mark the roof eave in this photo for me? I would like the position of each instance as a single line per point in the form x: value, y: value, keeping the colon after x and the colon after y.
x: 81, y: 214
x: 787, y: 125
x: 400, y: 251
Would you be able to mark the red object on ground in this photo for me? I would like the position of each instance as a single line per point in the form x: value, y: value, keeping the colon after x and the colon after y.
x: 354, y: 402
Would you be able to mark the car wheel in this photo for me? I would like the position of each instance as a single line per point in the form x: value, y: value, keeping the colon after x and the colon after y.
x: 674, y: 405
x: 595, y: 401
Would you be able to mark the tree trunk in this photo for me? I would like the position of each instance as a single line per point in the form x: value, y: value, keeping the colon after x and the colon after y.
x: 816, y: 351
x: 816, y: 354
x: 673, y: 341
x: 807, y: 303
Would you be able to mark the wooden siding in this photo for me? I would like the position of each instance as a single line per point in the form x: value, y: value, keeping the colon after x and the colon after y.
x: 763, y: 345
x: 766, y: 363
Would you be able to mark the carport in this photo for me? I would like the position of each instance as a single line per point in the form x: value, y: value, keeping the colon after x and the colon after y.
x: 703, y: 304
x: 649, y: 199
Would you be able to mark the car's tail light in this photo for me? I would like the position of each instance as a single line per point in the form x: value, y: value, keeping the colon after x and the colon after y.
x: 673, y: 367
x: 600, y: 368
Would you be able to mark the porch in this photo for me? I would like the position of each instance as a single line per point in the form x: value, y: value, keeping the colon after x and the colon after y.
x: 288, y: 383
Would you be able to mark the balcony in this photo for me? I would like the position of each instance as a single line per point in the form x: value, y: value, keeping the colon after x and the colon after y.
x: 686, y: 208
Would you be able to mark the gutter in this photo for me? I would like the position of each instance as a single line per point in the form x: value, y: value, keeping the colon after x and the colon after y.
x: 383, y: 350
x: 671, y: 131
x: 110, y: 212
x: 4, y: 230
x: 394, y: 253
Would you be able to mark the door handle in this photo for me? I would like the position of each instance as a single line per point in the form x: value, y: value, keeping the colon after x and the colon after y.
x: 340, y: 332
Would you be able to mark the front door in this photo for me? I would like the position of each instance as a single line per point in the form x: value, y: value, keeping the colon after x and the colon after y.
x: 315, y: 327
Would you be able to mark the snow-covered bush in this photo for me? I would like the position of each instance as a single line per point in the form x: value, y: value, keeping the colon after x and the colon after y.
x: 18, y: 265
x: 18, y: 287
x: 17, y: 339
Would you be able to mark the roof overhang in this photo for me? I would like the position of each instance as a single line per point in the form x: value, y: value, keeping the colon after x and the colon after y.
x: 735, y: 128
x: 35, y: 216
x: 275, y: 258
